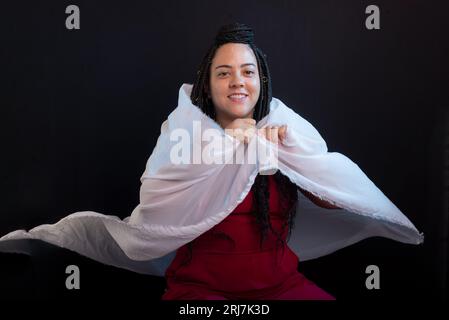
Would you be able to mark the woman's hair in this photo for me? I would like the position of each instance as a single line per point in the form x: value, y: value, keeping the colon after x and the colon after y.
x: 200, y: 96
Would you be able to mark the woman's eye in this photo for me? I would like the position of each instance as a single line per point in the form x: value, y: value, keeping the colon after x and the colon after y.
x: 248, y: 72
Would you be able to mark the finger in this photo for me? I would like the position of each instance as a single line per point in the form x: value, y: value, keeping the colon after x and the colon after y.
x: 249, y: 133
x: 267, y: 133
x: 274, y: 133
x: 282, y: 132
x: 271, y: 134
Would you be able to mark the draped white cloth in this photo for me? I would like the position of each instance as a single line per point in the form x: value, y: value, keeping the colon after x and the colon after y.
x: 179, y: 202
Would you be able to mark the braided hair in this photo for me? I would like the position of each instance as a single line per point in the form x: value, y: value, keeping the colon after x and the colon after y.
x: 200, y: 96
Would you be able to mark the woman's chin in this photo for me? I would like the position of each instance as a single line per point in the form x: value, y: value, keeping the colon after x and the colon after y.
x: 240, y: 114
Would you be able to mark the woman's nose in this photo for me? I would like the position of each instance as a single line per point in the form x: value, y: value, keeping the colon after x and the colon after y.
x: 237, y: 81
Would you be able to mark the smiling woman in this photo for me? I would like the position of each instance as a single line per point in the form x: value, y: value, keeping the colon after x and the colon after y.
x: 232, y: 231
x: 234, y: 83
x: 229, y: 90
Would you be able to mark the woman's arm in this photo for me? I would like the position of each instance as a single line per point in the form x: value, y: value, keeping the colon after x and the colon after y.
x: 319, y: 202
x: 276, y: 134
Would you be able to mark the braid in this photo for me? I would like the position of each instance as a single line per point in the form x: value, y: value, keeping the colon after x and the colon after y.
x: 200, y: 91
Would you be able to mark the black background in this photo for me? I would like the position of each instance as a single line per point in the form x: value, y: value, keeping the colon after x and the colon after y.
x: 81, y: 111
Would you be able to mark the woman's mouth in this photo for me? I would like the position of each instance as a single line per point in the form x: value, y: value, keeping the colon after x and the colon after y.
x: 238, y: 97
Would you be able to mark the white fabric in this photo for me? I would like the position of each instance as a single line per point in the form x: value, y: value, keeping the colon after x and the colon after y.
x: 179, y: 202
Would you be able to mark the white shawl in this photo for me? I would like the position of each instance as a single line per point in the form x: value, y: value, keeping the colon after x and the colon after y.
x: 179, y: 202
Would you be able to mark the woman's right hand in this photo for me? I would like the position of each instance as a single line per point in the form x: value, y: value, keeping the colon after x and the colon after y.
x: 243, y: 129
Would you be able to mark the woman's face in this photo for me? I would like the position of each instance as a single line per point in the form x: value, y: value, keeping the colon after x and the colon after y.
x: 234, y: 82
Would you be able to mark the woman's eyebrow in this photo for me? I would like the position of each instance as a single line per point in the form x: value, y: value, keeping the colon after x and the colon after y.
x: 230, y: 67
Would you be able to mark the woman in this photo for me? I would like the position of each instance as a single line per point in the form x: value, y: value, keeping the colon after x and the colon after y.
x: 215, y: 265
x: 218, y: 230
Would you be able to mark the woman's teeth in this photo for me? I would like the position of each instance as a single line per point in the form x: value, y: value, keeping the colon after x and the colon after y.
x: 237, y: 97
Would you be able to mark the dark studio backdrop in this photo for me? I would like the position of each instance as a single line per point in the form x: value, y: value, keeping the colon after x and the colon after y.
x: 81, y: 111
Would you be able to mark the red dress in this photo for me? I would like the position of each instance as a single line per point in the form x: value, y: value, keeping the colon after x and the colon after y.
x: 228, y: 263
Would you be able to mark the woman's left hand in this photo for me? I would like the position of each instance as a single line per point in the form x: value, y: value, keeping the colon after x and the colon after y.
x: 274, y: 134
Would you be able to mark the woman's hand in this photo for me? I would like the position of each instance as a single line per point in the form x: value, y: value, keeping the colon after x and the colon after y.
x: 243, y: 129
x: 274, y: 134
